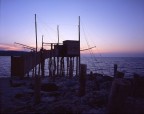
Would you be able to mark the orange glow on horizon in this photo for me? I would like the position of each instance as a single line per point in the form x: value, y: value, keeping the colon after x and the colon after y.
x: 14, y: 47
x: 96, y: 50
x: 11, y: 47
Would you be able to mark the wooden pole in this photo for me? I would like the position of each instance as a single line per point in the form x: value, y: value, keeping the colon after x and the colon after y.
x: 72, y: 65
x: 37, y: 78
x: 42, y: 41
x: 42, y: 59
x: 67, y: 66
x: 63, y: 69
x: 36, y: 45
x: 50, y: 62
x: 54, y: 63
x: 58, y: 66
x: 79, y: 46
x: 58, y: 32
x: 58, y: 55
x: 77, y: 66
x: 70, y: 68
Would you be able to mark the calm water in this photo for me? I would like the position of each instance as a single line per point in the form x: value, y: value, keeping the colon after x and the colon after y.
x: 104, y: 65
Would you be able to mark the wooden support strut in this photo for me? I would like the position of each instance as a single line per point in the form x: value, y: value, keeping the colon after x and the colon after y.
x: 67, y: 66
x: 70, y: 68
x: 57, y: 66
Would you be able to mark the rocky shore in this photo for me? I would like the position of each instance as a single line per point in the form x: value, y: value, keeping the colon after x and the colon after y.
x: 62, y: 95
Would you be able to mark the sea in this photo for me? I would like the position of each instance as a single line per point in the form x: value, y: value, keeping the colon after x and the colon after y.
x: 102, y: 65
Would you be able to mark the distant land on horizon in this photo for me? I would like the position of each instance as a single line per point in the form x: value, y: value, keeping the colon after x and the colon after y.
x: 11, y: 53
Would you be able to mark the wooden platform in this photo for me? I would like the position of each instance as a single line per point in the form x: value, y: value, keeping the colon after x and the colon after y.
x: 23, y: 62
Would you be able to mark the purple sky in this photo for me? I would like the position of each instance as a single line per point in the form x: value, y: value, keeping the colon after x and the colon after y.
x: 110, y: 25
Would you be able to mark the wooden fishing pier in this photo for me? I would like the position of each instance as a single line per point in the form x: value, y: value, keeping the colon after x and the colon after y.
x: 63, y: 58
x: 67, y: 52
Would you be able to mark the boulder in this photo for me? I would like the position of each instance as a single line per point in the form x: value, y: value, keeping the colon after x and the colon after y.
x: 49, y: 87
x: 138, y: 86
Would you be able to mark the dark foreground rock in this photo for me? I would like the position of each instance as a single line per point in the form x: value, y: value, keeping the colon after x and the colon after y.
x: 49, y: 87
x: 62, y: 96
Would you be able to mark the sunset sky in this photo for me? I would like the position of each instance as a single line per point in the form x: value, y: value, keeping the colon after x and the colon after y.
x: 113, y: 26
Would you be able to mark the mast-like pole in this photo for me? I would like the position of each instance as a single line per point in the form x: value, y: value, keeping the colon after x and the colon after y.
x: 58, y: 32
x: 42, y: 41
x: 37, y: 77
x: 36, y: 46
x: 79, y: 44
x: 36, y: 32
x: 79, y: 28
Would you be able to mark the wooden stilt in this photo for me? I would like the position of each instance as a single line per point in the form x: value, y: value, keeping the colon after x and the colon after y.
x: 50, y: 73
x: 54, y: 69
x: 77, y: 66
x: 67, y: 66
x: 57, y: 66
x: 63, y: 67
x: 42, y: 60
x: 70, y: 68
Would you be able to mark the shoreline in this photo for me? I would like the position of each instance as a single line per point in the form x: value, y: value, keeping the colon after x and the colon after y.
x: 61, y: 96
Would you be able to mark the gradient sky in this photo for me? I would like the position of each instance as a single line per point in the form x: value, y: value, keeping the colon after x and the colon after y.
x: 114, y: 26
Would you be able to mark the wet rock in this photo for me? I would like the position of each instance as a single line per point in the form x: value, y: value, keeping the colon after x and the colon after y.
x: 119, y: 74
x: 61, y: 109
x: 55, y: 94
x: 48, y: 99
x: 97, y: 111
x: 49, y: 87
x: 138, y: 85
x: 106, y: 85
x: 19, y: 95
x: 118, y: 95
x: 91, y: 76
x: 98, y: 99
x: 16, y: 83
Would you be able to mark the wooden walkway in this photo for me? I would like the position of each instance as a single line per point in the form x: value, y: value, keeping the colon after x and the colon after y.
x: 23, y: 62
